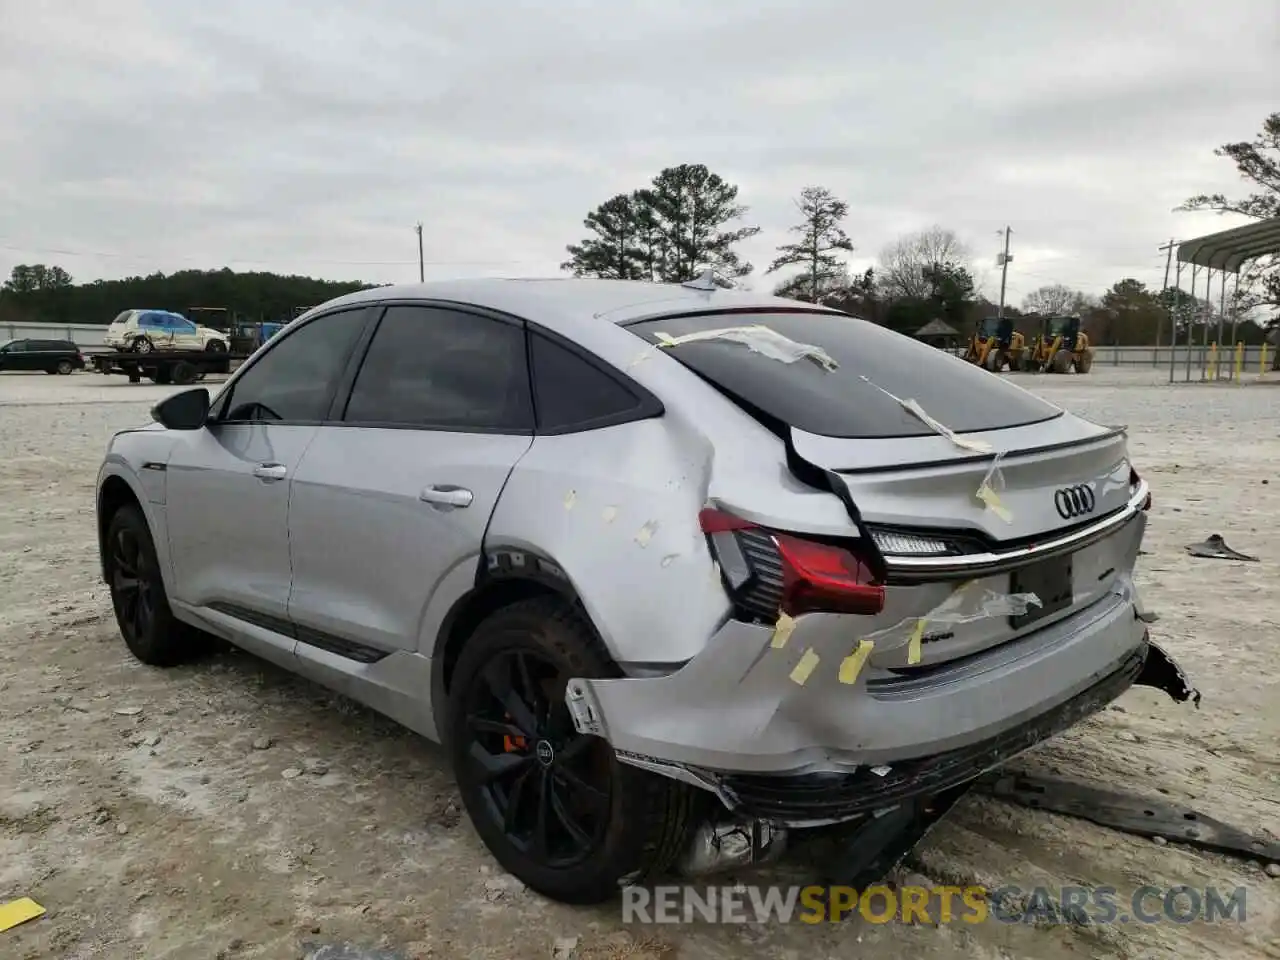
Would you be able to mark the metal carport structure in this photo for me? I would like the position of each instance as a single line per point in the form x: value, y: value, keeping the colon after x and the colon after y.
x: 1226, y: 251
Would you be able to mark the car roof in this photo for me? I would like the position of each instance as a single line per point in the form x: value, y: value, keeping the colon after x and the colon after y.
x: 562, y: 304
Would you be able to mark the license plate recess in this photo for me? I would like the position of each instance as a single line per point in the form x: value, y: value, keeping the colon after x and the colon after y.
x: 1050, y: 580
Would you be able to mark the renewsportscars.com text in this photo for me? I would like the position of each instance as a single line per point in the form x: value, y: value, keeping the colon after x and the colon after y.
x: 941, y: 904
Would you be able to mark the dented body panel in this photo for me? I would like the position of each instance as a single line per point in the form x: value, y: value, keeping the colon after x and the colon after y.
x: 736, y: 708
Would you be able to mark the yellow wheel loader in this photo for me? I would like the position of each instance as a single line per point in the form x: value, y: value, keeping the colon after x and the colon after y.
x: 995, y: 345
x: 1060, y: 347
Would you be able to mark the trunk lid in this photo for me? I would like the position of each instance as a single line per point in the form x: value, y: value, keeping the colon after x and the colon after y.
x: 1049, y: 480
x: 930, y: 483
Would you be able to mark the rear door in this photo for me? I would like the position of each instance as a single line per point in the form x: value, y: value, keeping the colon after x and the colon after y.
x: 184, y: 334
x: 394, y: 503
x: 228, y: 486
x: 44, y: 354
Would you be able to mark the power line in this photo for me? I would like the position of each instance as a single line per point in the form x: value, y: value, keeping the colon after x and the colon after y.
x: 58, y: 251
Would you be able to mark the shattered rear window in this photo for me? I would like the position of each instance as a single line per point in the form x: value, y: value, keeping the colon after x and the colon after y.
x: 850, y: 399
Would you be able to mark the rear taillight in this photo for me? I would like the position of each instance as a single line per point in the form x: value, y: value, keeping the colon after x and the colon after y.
x: 768, y: 572
x: 1134, y: 480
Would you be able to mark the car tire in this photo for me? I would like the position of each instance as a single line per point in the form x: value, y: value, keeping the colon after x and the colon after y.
x: 1085, y: 362
x: 1061, y: 362
x: 630, y: 824
x: 184, y: 373
x: 994, y: 361
x: 64, y: 368
x: 138, y: 597
x: 141, y: 345
x: 216, y: 346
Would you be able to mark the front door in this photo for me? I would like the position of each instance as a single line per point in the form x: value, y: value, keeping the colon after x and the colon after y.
x: 229, y: 484
x: 392, y: 507
x: 16, y: 356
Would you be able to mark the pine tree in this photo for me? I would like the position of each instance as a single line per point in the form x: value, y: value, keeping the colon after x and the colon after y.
x: 821, y: 236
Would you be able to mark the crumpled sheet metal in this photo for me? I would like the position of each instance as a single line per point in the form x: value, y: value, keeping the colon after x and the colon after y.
x: 735, y: 705
x: 759, y: 339
x: 963, y: 605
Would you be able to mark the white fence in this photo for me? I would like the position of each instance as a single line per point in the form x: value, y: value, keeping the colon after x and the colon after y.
x: 81, y: 334
x: 1159, y: 356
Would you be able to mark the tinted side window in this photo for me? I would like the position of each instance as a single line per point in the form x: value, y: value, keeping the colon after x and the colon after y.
x: 570, y: 392
x: 434, y: 367
x: 296, y: 378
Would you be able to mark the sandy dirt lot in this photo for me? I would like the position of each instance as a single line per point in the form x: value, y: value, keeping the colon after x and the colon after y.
x: 147, y: 809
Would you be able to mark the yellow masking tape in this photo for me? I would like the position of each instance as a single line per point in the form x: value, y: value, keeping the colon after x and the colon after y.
x: 782, y: 631
x: 913, y: 645
x: 851, y: 665
x: 808, y: 663
x: 992, y: 500
x: 18, y: 911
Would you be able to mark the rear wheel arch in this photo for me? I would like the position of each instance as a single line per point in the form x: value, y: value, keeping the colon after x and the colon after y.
x: 506, y: 577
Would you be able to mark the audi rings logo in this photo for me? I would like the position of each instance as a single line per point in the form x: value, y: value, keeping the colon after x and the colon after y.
x: 1074, y: 501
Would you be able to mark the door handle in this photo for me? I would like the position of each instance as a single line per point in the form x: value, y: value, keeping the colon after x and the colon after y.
x: 270, y: 472
x: 446, y: 495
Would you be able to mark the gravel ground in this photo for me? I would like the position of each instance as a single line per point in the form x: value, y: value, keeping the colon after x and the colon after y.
x: 157, y: 814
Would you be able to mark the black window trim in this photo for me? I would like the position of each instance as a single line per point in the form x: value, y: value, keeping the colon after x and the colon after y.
x: 647, y: 406
x: 218, y: 409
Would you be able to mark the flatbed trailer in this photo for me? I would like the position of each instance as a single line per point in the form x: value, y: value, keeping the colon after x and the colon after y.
x: 177, y: 366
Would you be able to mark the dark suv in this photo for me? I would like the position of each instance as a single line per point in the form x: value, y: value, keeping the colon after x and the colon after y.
x: 51, y: 356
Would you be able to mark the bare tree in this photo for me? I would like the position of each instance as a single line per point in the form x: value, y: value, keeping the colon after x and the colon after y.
x: 1056, y: 300
x: 821, y: 236
x: 906, y: 265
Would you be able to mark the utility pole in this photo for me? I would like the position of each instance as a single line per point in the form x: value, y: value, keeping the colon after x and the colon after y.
x: 422, y: 275
x: 1004, y: 259
x: 1168, y: 262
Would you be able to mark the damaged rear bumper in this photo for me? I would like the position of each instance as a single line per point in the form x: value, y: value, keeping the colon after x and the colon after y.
x: 735, y: 722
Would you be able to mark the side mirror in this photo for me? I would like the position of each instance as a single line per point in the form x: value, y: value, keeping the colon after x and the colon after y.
x: 188, y: 410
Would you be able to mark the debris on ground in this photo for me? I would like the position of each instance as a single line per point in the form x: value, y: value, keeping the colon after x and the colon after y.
x: 564, y: 948
x: 1215, y: 548
x: 18, y: 911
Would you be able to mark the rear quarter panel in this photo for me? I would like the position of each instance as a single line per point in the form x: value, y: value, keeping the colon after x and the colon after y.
x: 617, y: 508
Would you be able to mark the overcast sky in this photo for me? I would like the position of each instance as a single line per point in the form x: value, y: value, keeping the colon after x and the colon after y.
x: 309, y: 137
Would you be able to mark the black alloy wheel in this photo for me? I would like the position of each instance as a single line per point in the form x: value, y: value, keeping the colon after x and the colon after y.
x: 556, y: 808
x: 132, y: 585
x: 544, y: 783
x: 138, y: 597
